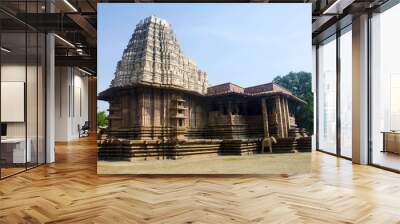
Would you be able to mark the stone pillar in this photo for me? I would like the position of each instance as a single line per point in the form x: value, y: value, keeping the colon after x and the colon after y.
x: 284, y: 119
x: 285, y: 116
x: 279, y: 117
x: 265, y: 117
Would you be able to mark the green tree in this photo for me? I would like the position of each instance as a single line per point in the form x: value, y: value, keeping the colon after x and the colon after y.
x: 102, y: 119
x: 299, y: 83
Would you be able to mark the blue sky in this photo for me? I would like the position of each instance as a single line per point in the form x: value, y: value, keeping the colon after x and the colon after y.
x: 247, y: 44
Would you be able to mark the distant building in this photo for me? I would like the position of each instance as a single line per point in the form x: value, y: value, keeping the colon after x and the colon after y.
x: 161, y: 106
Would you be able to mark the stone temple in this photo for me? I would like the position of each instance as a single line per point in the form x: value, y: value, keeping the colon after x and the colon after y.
x: 161, y: 107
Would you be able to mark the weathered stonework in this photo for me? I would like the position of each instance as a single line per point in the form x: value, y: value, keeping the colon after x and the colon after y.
x: 154, y: 57
x: 162, y: 108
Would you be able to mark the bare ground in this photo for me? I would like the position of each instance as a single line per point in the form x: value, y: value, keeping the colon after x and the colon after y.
x: 286, y: 163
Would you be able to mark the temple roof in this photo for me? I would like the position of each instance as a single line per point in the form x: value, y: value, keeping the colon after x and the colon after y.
x: 267, y: 89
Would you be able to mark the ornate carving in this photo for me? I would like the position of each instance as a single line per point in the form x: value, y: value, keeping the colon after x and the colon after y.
x: 154, y: 57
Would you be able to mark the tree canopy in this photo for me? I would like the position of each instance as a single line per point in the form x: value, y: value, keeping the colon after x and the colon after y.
x: 300, y: 84
x: 102, y: 119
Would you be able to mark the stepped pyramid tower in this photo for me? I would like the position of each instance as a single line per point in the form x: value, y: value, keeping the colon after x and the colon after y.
x: 154, y: 57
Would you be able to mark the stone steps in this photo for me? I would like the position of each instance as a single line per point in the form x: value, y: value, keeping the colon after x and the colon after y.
x: 131, y: 150
x: 136, y: 149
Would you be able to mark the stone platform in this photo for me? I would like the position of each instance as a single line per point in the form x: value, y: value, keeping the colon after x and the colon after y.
x: 133, y: 150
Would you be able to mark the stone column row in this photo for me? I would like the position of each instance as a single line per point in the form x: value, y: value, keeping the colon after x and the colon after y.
x: 282, y: 116
x: 232, y: 107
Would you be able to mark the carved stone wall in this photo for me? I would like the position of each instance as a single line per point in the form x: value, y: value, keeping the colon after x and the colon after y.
x: 155, y: 110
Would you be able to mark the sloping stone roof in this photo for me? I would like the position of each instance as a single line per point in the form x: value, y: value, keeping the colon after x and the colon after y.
x: 267, y: 89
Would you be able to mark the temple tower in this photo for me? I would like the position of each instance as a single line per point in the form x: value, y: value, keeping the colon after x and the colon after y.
x: 153, y: 57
